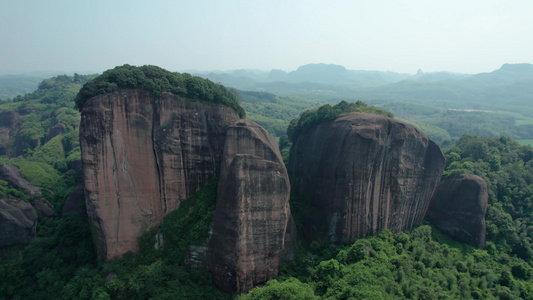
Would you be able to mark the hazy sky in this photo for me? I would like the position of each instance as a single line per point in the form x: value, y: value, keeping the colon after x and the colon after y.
x: 397, y: 35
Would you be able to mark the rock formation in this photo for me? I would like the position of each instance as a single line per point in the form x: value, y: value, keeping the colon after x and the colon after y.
x: 458, y: 208
x: 17, y: 221
x: 252, y: 209
x: 57, y: 129
x: 142, y: 156
x: 75, y: 203
x: 360, y: 174
x: 18, y: 216
x: 42, y: 205
x: 12, y: 176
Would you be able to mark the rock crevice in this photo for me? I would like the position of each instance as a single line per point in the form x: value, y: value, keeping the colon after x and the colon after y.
x: 252, y: 212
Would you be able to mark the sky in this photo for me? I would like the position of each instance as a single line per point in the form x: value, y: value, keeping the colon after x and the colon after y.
x: 463, y: 36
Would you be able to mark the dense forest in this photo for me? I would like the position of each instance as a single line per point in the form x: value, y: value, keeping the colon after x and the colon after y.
x: 424, y: 263
x: 157, y: 80
x: 421, y: 264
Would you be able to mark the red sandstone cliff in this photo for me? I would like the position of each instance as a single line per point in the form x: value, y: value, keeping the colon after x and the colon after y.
x: 142, y: 156
x: 458, y: 208
x: 252, y: 210
x: 361, y: 174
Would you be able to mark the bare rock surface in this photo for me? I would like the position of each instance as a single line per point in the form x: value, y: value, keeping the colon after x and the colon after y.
x: 57, y: 129
x: 12, y: 176
x: 42, y: 205
x: 459, y: 207
x: 17, y: 221
x: 361, y: 174
x: 142, y: 156
x: 75, y: 203
x: 252, y: 211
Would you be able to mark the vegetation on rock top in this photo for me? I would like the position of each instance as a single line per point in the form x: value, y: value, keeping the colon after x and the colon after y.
x: 310, y: 118
x: 157, y: 80
x: 61, y: 261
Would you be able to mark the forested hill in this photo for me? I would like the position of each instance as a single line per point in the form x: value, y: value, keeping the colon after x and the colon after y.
x: 423, y: 263
x: 14, y: 85
x: 323, y: 82
x: 420, y: 264
x: 508, y: 88
x: 444, y: 105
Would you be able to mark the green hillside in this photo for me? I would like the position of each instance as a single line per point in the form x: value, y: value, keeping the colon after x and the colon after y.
x: 420, y: 264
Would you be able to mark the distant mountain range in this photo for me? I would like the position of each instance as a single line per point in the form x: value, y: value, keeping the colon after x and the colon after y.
x: 337, y: 74
x: 13, y: 85
x: 511, y: 85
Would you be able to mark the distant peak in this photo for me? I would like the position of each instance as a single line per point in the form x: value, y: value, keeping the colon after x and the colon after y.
x: 517, y: 67
x: 322, y: 66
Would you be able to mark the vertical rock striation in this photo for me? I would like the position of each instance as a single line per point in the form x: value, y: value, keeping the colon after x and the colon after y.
x: 252, y: 210
x: 142, y: 156
x: 361, y: 174
x: 458, y: 208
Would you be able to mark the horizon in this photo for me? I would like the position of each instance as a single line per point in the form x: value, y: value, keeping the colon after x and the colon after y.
x: 53, y: 73
x: 397, y: 36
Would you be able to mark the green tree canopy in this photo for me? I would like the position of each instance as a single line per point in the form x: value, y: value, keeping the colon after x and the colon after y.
x: 313, y: 117
x: 157, y: 80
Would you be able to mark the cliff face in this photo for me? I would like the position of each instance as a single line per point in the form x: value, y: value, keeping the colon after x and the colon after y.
x: 458, y: 208
x: 361, y: 174
x: 141, y: 157
x: 252, y: 210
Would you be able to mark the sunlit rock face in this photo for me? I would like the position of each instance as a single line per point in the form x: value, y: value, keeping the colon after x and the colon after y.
x: 459, y: 207
x: 252, y: 211
x: 142, y: 156
x: 361, y: 174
